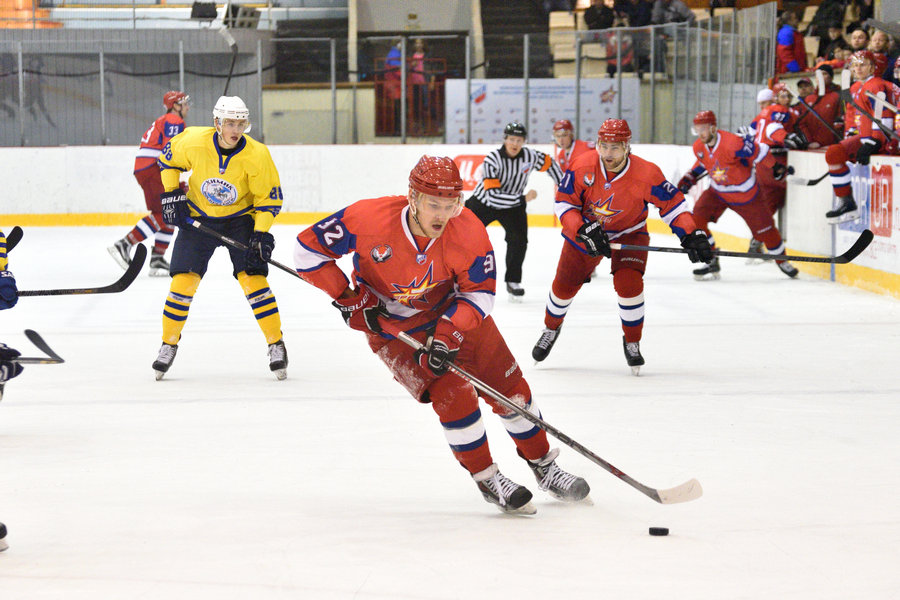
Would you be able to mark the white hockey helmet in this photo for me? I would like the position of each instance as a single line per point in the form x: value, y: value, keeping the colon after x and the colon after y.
x: 231, y: 107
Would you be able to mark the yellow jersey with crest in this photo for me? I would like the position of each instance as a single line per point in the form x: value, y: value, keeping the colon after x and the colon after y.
x: 221, y: 186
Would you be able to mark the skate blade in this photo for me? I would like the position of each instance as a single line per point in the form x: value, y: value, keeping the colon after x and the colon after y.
x: 515, y: 299
x: 636, y: 371
x: 159, y: 374
x: 755, y: 261
x: 114, y: 252
x: 158, y: 272
x: 3, y: 545
x: 850, y: 216
x: 280, y: 374
x: 524, y: 510
x: 708, y: 277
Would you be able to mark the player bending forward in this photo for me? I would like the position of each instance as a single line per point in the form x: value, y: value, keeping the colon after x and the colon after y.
x: 424, y: 264
x: 603, y: 196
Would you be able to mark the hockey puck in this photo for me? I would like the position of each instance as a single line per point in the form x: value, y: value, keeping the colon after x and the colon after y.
x: 659, y: 531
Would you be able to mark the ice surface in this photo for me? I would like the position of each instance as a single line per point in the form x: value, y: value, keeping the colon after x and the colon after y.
x: 779, y: 395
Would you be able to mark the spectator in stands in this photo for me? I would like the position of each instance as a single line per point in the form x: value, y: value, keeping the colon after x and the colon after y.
x: 554, y: 5
x: 672, y: 11
x: 790, y: 56
x: 392, y: 85
x: 639, y: 12
x: 861, y: 11
x: 599, y: 15
x: 859, y: 38
x: 625, y: 52
x: 827, y: 106
x: 829, y: 14
x: 805, y: 87
x: 834, y: 41
x: 880, y: 45
x: 418, y: 84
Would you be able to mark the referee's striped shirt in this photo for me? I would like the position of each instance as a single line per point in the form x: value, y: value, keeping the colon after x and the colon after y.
x: 504, y: 178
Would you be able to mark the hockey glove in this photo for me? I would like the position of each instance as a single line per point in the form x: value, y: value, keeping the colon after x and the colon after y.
x: 361, y: 310
x: 594, y: 239
x: 9, y: 293
x: 697, y: 246
x: 259, y: 251
x: 869, y: 147
x: 437, y: 355
x: 687, y: 182
x: 795, y: 141
x: 779, y: 171
x: 745, y: 131
x: 8, y: 369
x: 175, y: 208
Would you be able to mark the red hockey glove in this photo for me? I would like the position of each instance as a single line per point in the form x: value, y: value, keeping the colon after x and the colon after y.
x: 687, y: 182
x: 361, y: 310
x: 437, y: 356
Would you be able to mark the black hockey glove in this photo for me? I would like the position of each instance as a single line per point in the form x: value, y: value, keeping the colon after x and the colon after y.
x: 796, y: 141
x: 8, y: 369
x: 697, y: 246
x: 869, y: 147
x: 594, y: 239
x: 175, y: 208
x: 687, y: 182
x: 779, y: 171
x: 9, y: 293
x: 258, y: 253
x: 437, y: 356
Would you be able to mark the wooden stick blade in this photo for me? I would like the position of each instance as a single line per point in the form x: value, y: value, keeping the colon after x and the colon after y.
x: 687, y: 491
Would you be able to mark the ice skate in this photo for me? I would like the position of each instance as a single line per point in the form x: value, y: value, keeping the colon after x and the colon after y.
x: 509, y: 496
x: 515, y: 290
x: 159, y: 266
x: 545, y: 344
x: 633, y: 356
x: 787, y: 268
x: 559, y: 484
x: 164, y: 359
x: 121, y: 253
x: 708, y: 272
x: 845, y: 211
x: 756, y: 246
x: 278, y: 359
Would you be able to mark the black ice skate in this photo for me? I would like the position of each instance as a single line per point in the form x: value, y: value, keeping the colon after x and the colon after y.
x: 756, y: 247
x: 845, y: 211
x: 708, y: 272
x: 559, y: 484
x: 545, y: 344
x: 509, y: 496
x: 515, y: 290
x: 633, y: 356
x: 278, y: 359
x: 787, y: 268
x: 120, y: 251
x: 159, y: 266
x: 164, y: 359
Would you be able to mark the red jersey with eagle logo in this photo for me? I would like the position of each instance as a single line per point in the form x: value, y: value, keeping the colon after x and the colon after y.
x: 418, y: 279
x: 618, y: 200
x: 731, y: 165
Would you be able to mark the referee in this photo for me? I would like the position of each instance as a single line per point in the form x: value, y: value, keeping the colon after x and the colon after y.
x: 499, y: 196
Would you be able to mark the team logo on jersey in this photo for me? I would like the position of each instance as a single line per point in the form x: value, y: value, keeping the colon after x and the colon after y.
x: 416, y: 290
x: 601, y: 210
x: 381, y: 253
x: 525, y: 169
x: 219, y: 192
x: 588, y: 179
x: 719, y: 173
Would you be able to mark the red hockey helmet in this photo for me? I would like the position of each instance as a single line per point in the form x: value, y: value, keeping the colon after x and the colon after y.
x: 173, y: 97
x: 563, y: 125
x: 614, y: 130
x: 705, y: 117
x: 881, y: 63
x: 436, y: 176
x: 781, y: 87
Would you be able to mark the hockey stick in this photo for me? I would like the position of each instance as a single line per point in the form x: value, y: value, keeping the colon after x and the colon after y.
x: 795, y: 179
x: 14, y: 237
x: 232, y: 44
x: 137, y: 262
x: 877, y: 99
x: 861, y: 243
x: 52, y: 357
x: 237, y: 245
x: 847, y: 96
x: 811, y: 110
x: 689, y: 490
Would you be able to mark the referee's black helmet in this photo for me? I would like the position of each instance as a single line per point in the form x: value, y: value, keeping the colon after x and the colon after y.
x: 515, y: 128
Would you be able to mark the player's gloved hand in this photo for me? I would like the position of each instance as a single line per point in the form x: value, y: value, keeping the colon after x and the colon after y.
x: 361, y: 309
x: 795, y: 141
x: 779, y: 171
x: 687, y: 182
x: 8, y: 369
x: 697, y: 246
x: 258, y: 253
x: 9, y: 293
x: 869, y: 147
x: 437, y: 355
x: 594, y: 239
x: 175, y: 208
x: 745, y: 131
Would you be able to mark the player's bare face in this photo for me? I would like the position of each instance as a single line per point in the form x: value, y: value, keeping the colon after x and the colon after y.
x: 861, y: 69
x: 612, y: 154
x: 784, y: 98
x: 513, y: 144
x: 231, y: 131
x: 432, y: 214
x: 706, y: 133
x: 563, y: 138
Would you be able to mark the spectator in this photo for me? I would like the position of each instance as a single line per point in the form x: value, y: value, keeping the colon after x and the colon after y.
x: 827, y: 106
x: 554, y: 5
x: 639, y: 12
x: 392, y: 86
x: 805, y: 87
x: 672, y: 11
x: 829, y: 14
x: 626, y: 52
x: 860, y: 11
x: 880, y: 45
x: 841, y: 56
x: 791, y: 54
x: 833, y: 41
x: 418, y: 85
x: 600, y: 14
x: 859, y: 38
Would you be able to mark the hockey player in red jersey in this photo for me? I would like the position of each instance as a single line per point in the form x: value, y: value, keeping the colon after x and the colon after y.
x: 862, y: 139
x: 731, y: 162
x: 567, y: 148
x: 604, y: 196
x: 425, y: 264
x: 146, y: 171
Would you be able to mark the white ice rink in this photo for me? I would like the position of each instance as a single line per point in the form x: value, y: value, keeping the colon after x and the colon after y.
x: 781, y: 396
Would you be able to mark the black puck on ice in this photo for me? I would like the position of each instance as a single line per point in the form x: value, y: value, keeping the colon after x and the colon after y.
x: 659, y: 531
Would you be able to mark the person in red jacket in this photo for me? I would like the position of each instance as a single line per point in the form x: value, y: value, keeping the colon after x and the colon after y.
x: 146, y: 171
x: 790, y: 55
x: 827, y: 106
x: 567, y: 147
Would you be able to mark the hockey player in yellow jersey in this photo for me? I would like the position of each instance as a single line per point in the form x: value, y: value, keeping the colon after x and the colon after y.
x: 233, y: 189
